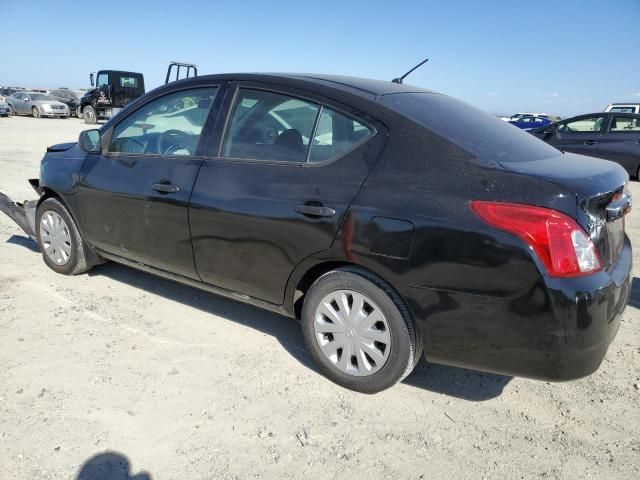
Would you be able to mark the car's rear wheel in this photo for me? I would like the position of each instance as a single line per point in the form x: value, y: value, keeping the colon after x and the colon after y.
x: 359, y: 331
x: 35, y: 112
x: 89, y: 115
x: 60, y: 242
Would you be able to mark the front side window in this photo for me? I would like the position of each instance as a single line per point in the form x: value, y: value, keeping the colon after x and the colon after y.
x: 269, y: 126
x: 582, y: 125
x: 169, y: 125
x: 103, y: 79
x: 336, y: 134
x: 625, y: 124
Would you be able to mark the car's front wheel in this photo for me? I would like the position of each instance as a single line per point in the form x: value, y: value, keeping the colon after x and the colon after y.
x: 89, y: 115
x: 35, y: 112
x: 359, y: 331
x: 62, y: 247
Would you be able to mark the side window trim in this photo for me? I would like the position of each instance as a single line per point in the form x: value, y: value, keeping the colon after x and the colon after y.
x: 313, y: 134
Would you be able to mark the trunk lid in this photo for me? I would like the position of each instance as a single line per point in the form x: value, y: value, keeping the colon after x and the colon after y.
x: 601, y: 197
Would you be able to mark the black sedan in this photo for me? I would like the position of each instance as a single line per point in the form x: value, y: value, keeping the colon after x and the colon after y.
x: 389, y: 219
x: 612, y: 136
x: 68, y: 97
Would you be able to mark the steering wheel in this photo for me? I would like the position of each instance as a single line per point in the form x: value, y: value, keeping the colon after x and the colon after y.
x: 129, y: 145
x: 171, y: 141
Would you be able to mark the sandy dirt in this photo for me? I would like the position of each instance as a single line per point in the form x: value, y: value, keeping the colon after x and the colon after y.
x: 167, y: 382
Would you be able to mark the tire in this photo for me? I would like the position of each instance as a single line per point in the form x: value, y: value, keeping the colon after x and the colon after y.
x: 89, y: 115
x: 12, y: 112
x: 78, y: 112
x: 35, y: 112
x: 78, y: 257
x: 402, y: 340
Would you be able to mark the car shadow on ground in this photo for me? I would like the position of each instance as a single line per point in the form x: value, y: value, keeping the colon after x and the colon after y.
x: 634, y: 296
x: 456, y: 382
x: 24, y: 242
x: 109, y: 466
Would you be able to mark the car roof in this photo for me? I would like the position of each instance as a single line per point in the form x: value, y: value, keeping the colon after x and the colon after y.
x: 362, y: 86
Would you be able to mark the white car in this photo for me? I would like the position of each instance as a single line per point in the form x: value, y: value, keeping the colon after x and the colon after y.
x: 623, y: 108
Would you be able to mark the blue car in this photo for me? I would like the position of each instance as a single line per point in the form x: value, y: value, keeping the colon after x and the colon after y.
x: 530, y: 123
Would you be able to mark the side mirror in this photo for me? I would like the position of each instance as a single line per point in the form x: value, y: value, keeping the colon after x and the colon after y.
x: 91, y: 78
x: 90, y: 141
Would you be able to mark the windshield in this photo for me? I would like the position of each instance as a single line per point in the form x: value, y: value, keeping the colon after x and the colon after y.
x: 481, y: 134
x: 40, y: 96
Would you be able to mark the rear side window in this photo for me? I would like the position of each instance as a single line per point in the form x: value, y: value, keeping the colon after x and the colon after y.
x: 480, y: 134
x: 335, y: 135
x: 582, y: 125
x: 625, y: 124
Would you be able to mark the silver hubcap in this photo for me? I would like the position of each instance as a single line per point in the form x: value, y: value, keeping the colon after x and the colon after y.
x: 352, y: 332
x: 55, y: 237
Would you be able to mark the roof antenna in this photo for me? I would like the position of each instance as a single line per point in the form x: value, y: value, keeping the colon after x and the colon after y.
x: 400, y: 79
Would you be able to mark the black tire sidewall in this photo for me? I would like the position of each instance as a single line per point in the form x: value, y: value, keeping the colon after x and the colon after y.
x: 403, y: 344
x: 51, y: 204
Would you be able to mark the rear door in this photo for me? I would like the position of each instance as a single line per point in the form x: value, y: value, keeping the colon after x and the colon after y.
x: 134, y: 197
x: 276, y: 189
x: 621, y: 142
x: 579, y: 135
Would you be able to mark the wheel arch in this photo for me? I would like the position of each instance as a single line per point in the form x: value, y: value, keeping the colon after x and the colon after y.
x: 305, y: 276
x: 48, y: 192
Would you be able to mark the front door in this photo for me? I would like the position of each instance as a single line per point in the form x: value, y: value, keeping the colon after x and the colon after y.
x: 135, y: 196
x: 19, y: 102
x: 277, y: 189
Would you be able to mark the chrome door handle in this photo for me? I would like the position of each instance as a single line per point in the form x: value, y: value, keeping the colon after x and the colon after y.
x: 315, y: 210
x: 165, y: 188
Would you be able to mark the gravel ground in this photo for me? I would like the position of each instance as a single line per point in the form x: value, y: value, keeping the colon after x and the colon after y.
x: 117, y: 368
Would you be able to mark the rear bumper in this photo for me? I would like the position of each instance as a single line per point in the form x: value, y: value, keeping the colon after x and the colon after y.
x: 559, y: 329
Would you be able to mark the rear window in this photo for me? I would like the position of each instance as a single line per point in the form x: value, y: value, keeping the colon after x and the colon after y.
x: 481, y: 134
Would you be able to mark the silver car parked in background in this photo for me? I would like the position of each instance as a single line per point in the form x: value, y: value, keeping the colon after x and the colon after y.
x: 36, y: 104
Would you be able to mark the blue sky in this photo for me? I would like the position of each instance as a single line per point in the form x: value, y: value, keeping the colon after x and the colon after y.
x: 563, y: 57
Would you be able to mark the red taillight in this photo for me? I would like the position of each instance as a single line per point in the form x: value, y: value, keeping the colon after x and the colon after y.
x: 559, y: 242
